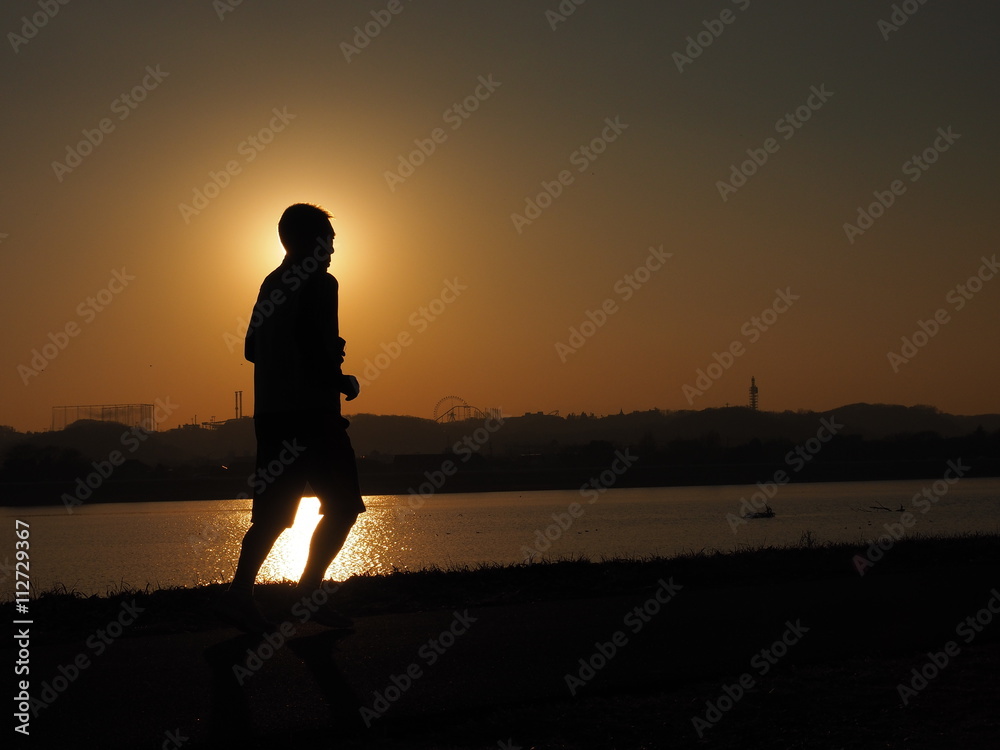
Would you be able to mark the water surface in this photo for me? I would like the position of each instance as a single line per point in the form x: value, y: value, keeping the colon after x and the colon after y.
x: 102, y: 547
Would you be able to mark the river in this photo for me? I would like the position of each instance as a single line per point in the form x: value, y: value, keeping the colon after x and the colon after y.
x: 103, y: 547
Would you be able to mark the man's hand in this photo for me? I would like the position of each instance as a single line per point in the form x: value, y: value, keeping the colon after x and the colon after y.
x: 349, y: 386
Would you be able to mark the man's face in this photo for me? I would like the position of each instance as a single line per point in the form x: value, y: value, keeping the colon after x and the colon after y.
x: 324, y: 250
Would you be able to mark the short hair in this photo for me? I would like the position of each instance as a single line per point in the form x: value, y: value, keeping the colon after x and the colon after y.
x: 301, y: 225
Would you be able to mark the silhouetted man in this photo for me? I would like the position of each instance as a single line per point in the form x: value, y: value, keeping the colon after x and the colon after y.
x: 295, y: 345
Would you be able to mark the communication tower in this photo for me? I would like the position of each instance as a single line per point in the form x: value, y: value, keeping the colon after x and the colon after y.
x: 753, y: 393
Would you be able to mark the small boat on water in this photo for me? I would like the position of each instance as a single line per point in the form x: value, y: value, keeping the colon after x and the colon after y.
x: 768, y: 512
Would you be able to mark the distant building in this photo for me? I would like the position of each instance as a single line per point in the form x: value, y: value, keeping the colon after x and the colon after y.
x: 130, y: 415
x: 753, y: 393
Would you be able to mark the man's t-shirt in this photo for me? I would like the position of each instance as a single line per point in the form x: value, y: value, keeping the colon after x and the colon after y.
x: 294, y: 342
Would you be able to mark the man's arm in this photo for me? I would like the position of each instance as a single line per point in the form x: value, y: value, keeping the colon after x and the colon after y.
x: 330, y: 341
x: 346, y: 384
x: 323, y: 338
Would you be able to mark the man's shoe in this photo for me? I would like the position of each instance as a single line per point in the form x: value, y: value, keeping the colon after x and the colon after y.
x: 241, y: 612
x: 322, y: 614
x: 331, y: 618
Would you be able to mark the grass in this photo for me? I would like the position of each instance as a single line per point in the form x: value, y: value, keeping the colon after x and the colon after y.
x: 62, y: 612
x: 819, y: 706
x: 838, y: 701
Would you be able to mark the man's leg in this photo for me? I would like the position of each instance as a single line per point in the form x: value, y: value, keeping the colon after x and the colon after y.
x: 237, y: 606
x: 276, y: 496
x: 327, y: 541
x: 333, y: 474
x: 257, y: 544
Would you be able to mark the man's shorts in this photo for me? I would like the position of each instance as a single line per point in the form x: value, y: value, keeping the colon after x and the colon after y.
x: 296, y: 449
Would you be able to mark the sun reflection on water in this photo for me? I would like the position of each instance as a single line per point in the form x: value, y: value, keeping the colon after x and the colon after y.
x: 381, y: 539
x: 372, y: 545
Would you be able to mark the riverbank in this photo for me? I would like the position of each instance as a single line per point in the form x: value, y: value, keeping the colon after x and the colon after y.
x: 570, y: 654
x: 383, y: 480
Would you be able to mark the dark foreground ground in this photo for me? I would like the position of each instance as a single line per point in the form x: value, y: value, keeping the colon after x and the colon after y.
x: 775, y: 648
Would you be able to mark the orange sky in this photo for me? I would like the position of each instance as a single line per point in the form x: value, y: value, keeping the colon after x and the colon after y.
x: 475, y: 109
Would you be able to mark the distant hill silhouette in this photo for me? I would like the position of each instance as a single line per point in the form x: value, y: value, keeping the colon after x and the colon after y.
x: 388, y: 435
x: 731, y: 425
x: 731, y: 445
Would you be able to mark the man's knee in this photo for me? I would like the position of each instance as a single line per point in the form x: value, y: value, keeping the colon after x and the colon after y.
x: 267, y: 528
x: 342, y: 517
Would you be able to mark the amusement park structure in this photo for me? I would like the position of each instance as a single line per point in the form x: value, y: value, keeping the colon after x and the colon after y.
x: 456, y: 409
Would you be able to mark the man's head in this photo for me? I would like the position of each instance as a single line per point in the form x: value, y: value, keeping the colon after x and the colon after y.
x: 305, y: 230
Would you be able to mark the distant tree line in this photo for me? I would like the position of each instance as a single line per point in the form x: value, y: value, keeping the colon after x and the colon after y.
x: 712, y: 446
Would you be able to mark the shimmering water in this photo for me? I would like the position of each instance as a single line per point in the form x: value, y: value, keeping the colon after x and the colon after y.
x: 101, y: 547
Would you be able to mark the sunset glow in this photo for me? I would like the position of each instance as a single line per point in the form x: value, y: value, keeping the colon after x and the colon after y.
x: 534, y: 163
